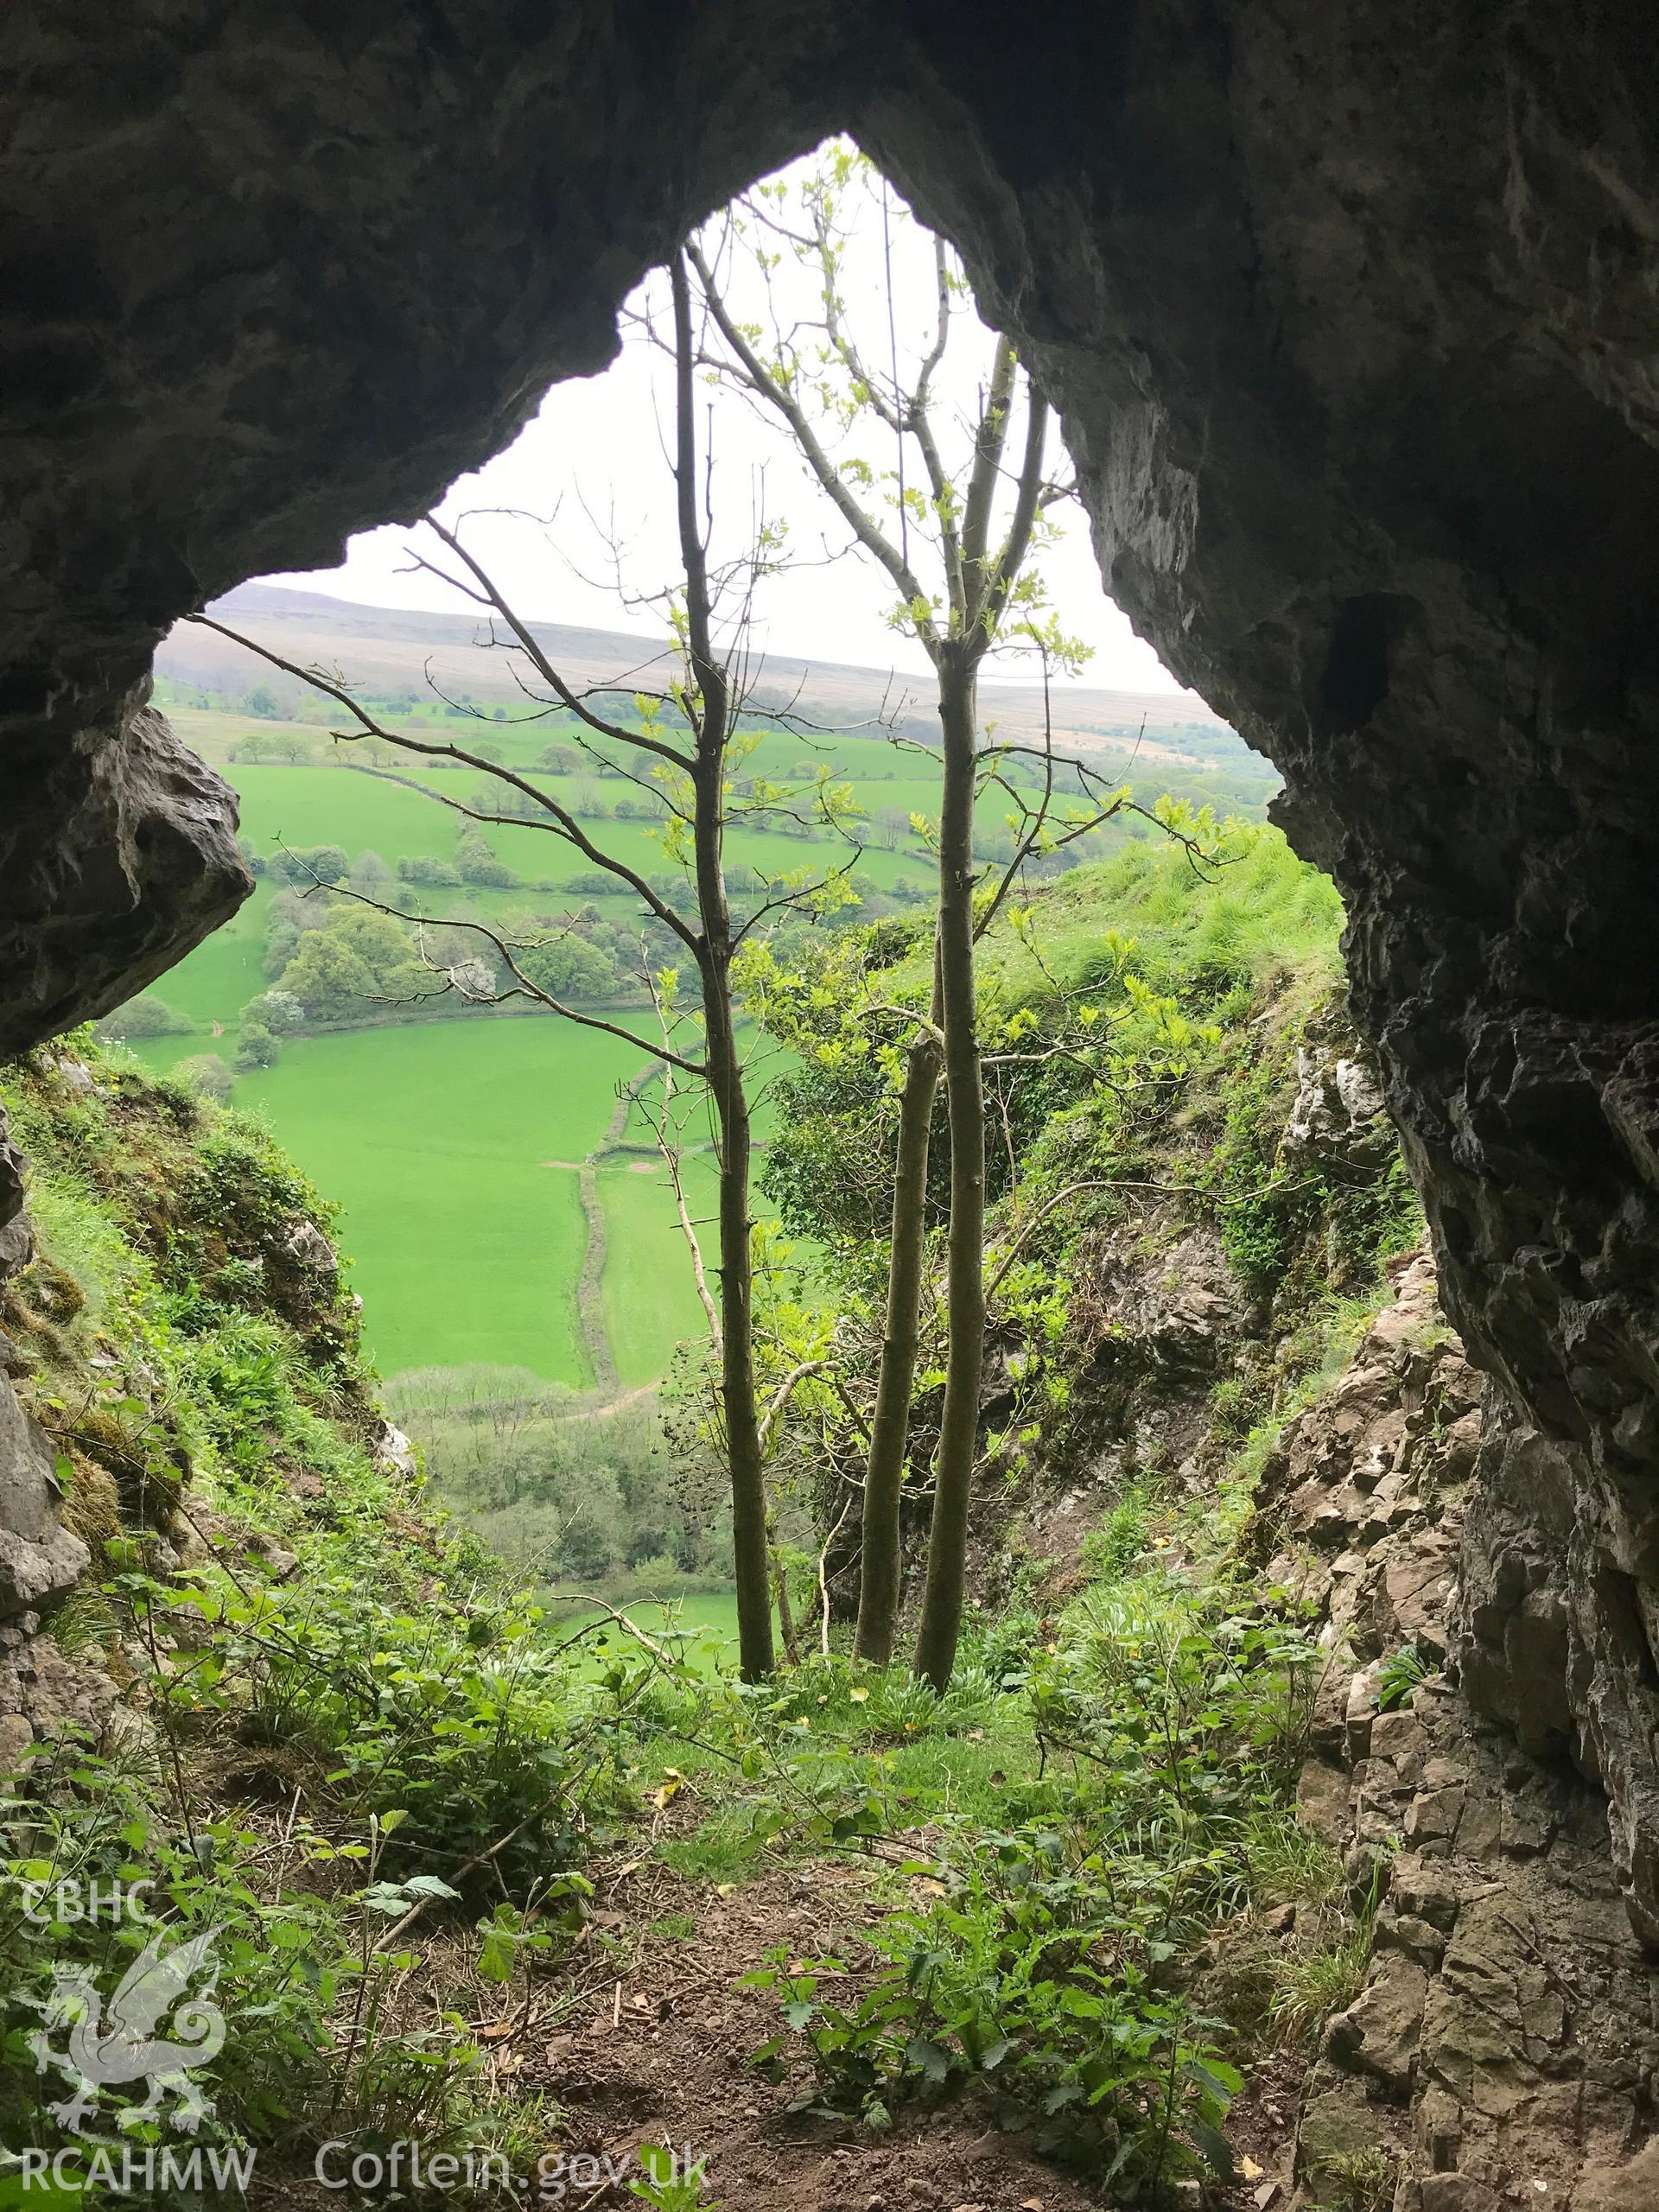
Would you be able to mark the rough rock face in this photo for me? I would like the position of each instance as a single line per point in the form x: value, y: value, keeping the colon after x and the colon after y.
x: 1359, y: 1487
x: 1503, y: 2046
x: 41, y: 1692
x: 118, y: 853
x: 15, y: 1241
x: 39, y: 1558
x: 1335, y: 1118
x: 1351, y: 316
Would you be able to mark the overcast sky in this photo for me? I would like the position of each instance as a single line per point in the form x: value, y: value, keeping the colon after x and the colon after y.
x: 593, y: 459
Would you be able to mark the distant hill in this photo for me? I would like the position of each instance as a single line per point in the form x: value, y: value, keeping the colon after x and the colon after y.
x: 390, y: 653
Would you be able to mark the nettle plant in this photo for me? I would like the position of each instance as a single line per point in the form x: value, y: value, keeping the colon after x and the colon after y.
x: 1033, y: 1970
x: 1043, y: 1963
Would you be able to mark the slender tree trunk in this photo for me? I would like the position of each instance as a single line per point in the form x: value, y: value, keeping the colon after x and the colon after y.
x: 947, y: 1551
x: 781, y: 1591
x: 884, y: 1474
x: 744, y: 1446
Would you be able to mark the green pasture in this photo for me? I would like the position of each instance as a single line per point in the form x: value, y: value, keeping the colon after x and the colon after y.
x: 359, y: 807
x: 700, y: 1627
x: 648, y: 1291
x: 452, y: 1149
x: 434, y: 1135
x: 214, y: 983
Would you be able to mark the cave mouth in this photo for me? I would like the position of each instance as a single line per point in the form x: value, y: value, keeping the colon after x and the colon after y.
x: 1350, y: 328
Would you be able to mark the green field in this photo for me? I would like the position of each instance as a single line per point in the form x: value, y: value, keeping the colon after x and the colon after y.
x: 648, y: 1290
x: 436, y: 1136
x: 702, y: 1629
x: 453, y: 1148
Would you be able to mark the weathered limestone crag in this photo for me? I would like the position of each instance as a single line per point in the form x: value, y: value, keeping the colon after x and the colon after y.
x: 39, y: 1558
x: 118, y: 853
x: 1503, y: 2048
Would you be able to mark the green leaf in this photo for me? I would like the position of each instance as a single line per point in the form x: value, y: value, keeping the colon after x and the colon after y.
x: 931, y: 2060
x: 496, y: 1955
x: 1213, y: 2148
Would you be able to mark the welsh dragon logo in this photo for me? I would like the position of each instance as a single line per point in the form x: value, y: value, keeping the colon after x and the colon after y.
x: 108, y: 2050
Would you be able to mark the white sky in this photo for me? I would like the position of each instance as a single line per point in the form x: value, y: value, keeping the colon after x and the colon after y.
x: 593, y: 457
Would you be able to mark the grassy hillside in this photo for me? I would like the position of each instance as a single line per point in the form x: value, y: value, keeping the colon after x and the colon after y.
x: 400, y: 651
x: 1149, y: 1024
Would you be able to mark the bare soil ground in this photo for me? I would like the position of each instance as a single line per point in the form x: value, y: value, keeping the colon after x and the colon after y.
x: 663, y: 2056
x: 651, y: 2044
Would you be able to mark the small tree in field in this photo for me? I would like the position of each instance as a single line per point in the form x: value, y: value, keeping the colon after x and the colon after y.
x: 952, y: 521
x: 685, y: 753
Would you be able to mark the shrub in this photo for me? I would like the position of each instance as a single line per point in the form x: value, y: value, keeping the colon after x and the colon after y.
x: 424, y: 868
x: 312, y: 864
x: 207, y: 1075
x: 476, y: 861
x: 1399, y: 1676
x: 255, y: 1047
x: 1037, y: 1973
x: 279, y: 1010
x: 145, y: 1016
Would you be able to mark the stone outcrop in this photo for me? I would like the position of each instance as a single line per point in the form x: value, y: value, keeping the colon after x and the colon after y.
x: 39, y: 1558
x: 1502, y: 2049
x: 118, y: 853
x: 43, y: 1692
x: 1350, y: 315
x: 16, y: 1244
x: 1339, y: 1117
x: 40, y: 1561
x: 1358, y: 1506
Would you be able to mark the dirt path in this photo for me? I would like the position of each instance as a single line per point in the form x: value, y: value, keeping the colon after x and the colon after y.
x: 662, y: 2056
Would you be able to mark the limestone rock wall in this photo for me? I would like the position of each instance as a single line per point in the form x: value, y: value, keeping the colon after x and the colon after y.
x: 118, y: 853
x: 1502, y: 2051
x: 39, y: 1560
x: 1351, y: 316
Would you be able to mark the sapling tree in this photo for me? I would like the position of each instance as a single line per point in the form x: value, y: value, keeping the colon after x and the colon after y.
x: 953, y: 525
x: 694, y: 738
